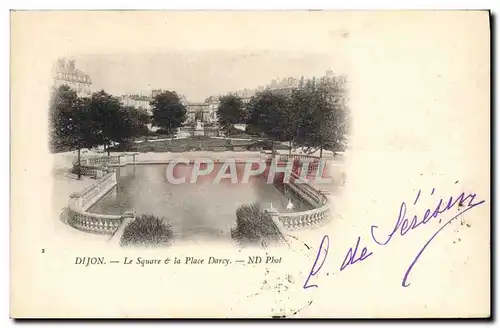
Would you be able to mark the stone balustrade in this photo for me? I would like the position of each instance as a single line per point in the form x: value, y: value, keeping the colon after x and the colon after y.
x: 96, y: 166
x: 298, y: 157
x: 307, y: 193
x: 297, y: 220
x: 95, y: 223
x: 81, y: 219
x: 123, y: 159
x: 100, y: 160
x: 297, y: 161
x: 86, y: 170
x: 93, y: 193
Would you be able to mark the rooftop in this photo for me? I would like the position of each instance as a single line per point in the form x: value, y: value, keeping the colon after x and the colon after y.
x: 137, y: 97
x: 67, y: 71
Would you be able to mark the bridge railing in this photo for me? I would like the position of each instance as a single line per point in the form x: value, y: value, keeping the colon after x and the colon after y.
x: 315, y: 216
x: 100, y: 160
x: 297, y: 159
x: 97, y: 166
x: 79, y: 203
x: 297, y: 220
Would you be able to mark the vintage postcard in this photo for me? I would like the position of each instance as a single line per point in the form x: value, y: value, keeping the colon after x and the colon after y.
x: 260, y: 164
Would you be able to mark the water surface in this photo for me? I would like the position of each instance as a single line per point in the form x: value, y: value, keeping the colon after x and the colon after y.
x: 194, y: 209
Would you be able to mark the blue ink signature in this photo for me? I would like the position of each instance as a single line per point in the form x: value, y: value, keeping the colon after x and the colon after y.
x: 350, y: 257
x: 323, y: 249
x: 403, y: 225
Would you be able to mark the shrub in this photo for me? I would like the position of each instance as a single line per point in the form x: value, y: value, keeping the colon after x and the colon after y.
x: 123, y: 146
x: 261, y: 145
x: 234, y: 132
x: 147, y: 230
x: 254, y: 225
x: 164, y: 132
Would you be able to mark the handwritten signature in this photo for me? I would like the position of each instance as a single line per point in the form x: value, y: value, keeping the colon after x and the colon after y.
x: 402, y: 226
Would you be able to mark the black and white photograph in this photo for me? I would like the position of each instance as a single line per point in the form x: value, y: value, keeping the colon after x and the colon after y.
x: 250, y: 164
x: 166, y: 154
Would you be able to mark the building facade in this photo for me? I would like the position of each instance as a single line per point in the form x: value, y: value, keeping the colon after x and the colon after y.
x: 206, y: 112
x: 199, y: 112
x: 66, y: 73
x: 213, y: 105
x: 284, y: 86
x: 137, y: 101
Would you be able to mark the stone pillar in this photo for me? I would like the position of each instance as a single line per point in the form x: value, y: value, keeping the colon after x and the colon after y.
x: 275, y: 217
x: 129, y: 214
x: 75, y: 197
x: 127, y: 218
x: 273, y: 213
x: 122, y: 159
x: 99, y: 173
x: 113, y: 179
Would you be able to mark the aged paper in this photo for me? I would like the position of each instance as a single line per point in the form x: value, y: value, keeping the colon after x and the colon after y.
x: 402, y: 230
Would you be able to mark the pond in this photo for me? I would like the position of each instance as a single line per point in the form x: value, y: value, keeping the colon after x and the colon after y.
x: 201, y: 209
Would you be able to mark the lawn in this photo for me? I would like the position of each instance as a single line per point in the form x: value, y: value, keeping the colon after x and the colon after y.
x: 200, y: 143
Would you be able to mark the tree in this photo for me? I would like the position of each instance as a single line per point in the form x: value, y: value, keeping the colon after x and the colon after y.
x: 107, y: 113
x: 320, y: 115
x: 168, y: 111
x: 63, y: 101
x: 270, y: 115
x: 305, y: 112
x: 336, y: 122
x: 72, y: 126
x: 138, y: 120
x: 126, y: 126
x: 230, y: 111
x: 83, y: 128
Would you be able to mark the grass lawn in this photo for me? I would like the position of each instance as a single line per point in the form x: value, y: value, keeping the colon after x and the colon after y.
x: 200, y: 143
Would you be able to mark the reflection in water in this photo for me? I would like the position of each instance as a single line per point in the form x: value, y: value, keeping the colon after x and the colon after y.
x: 201, y: 208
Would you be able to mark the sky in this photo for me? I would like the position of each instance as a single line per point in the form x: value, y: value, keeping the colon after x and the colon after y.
x: 197, y: 74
